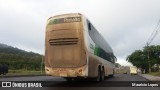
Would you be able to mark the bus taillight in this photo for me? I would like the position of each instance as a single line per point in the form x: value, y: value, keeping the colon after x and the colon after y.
x: 80, y: 71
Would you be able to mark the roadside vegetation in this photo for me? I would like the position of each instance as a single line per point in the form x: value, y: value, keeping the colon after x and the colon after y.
x: 22, y: 72
x: 19, y: 61
x: 155, y: 73
x: 139, y: 58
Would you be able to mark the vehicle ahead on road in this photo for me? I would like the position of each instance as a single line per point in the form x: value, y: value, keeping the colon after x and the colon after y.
x: 74, y: 48
x: 3, y: 69
x: 125, y: 69
x: 133, y: 70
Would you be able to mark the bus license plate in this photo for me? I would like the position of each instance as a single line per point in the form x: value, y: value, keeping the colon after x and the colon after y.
x: 63, y: 72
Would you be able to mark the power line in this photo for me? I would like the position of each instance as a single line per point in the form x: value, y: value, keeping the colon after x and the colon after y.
x: 154, y: 33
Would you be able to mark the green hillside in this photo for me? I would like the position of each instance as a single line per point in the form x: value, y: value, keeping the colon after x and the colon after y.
x: 17, y: 59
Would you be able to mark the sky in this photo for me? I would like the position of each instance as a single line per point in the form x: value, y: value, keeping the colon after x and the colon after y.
x: 125, y: 24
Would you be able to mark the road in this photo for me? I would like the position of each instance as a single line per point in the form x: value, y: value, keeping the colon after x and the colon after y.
x: 55, y: 83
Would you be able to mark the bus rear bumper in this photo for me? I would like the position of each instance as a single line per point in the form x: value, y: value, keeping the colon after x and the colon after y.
x: 67, y: 72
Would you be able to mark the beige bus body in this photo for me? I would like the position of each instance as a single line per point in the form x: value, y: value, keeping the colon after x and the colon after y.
x: 67, y: 49
x: 133, y: 70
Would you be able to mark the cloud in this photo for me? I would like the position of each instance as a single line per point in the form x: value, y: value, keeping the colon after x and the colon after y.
x: 123, y: 62
x: 125, y: 24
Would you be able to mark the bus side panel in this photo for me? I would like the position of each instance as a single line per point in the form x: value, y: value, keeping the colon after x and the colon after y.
x: 109, y: 68
x: 93, y: 63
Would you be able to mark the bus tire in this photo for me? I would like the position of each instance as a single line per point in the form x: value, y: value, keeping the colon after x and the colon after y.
x: 98, y: 78
x: 102, y: 74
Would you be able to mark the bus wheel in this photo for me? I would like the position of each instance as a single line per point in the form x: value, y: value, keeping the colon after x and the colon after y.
x: 103, y: 74
x: 98, y: 78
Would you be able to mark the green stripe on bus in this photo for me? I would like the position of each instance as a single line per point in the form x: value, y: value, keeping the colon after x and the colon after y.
x: 96, y: 50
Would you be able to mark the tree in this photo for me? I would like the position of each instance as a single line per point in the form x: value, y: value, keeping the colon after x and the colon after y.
x: 117, y: 65
x: 139, y: 58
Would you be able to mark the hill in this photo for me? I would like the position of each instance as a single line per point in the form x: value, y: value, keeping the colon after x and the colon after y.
x: 16, y: 58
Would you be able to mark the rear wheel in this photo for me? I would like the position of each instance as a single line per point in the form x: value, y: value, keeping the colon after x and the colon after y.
x: 98, y: 78
x: 102, y: 74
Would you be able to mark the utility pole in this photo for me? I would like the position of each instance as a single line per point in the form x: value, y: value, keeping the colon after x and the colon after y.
x: 42, y: 65
x: 149, y: 63
x: 151, y: 38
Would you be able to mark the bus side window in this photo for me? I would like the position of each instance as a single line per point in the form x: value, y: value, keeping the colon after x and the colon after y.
x: 89, y: 26
x: 112, y: 60
x: 115, y: 59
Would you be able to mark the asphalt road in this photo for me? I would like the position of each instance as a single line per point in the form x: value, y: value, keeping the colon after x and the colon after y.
x: 55, y: 83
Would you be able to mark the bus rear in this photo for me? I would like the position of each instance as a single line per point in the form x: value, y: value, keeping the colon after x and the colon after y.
x: 133, y: 70
x: 64, y: 46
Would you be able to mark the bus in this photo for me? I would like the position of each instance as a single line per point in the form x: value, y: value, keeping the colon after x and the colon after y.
x: 75, y: 49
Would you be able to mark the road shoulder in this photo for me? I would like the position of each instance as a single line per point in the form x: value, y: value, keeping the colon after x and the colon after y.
x: 150, y: 77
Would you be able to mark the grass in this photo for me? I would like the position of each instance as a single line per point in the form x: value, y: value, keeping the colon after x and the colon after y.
x: 24, y: 72
x: 155, y: 73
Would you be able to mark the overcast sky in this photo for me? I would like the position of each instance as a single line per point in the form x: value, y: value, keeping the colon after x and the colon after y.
x: 125, y: 24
